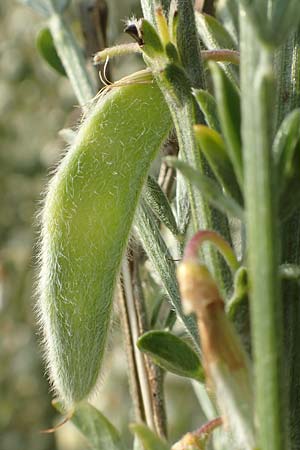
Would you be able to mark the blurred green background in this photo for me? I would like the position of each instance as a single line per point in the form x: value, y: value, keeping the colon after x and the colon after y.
x: 35, y: 103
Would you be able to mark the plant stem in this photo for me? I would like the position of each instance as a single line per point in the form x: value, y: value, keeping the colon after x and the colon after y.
x: 135, y: 390
x: 161, y: 259
x: 72, y: 59
x: 138, y: 356
x: 185, y: 114
x: 262, y: 230
x: 154, y: 373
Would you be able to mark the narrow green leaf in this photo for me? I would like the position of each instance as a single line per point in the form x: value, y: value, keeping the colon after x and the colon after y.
x: 182, y: 203
x: 98, y: 430
x: 170, y: 320
x: 72, y: 58
x: 286, y: 149
x: 208, y: 188
x: 208, y: 106
x: 152, y: 44
x: 172, y: 354
x: 227, y: 11
x: 156, y: 310
x: 188, y: 43
x: 162, y: 262
x: 289, y: 204
x: 216, y: 37
x: 172, y: 53
x: 273, y: 21
x: 158, y: 202
x: 228, y: 101
x: 285, y: 19
x: 47, y: 50
x: 148, y: 438
x: 148, y: 8
x: 213, y: 33
x: 285, y: 145
x: 213, y: 147
x: 177, y: 91
x: 175, y: 83
x: 238, y: 309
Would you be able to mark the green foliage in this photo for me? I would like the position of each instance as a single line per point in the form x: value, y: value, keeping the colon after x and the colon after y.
x: 208, y: 106
x: 152, y: 45
x: 161, y: 259
x: 209, y: 189
x: 160, y: 205
x: 172, y: 354
x: 230, y: 118
x: 233, y: 180
x: 149, y: 440
x: 99, y: 432
x: 213, y: 147
x: 47, y: 50
x: 215, y: 36
x: 286, y: 149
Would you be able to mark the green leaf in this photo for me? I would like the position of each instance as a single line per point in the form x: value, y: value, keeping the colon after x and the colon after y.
x: 158, y: 202
x: 170, y: 320
x: 286, y: 150
x: 156, y: 310
x: 152, y: 45
x: 238, y: 307
x: 208, y: 188
x: 149, y: 440
x: 100, y: 433
x: 273, y: 24
x: 162, y: 261
x: 188, y: 43
x: 285, y: 145
x: 47, y: 50
x: 213, y: 147
x: 227, y: 11
x: 228, y: 101
x: 208, y: 106
x: 288, y: 203
x: 73, y: 60
x: 172, y: 354
x: 182, y: 203
x: 213, y: 33
x: 216, y: 37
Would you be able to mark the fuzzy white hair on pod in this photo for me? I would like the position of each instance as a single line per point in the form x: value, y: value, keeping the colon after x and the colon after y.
x: 85, y: 221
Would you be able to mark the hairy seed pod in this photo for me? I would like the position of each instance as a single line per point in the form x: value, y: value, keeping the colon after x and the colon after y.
x: 86, y: 220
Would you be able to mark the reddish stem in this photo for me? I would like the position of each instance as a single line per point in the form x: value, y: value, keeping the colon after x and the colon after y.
x: 192, y: 248
x: 208, y: 427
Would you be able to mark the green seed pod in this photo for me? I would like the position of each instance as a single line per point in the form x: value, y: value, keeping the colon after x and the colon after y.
x: 87, y: 216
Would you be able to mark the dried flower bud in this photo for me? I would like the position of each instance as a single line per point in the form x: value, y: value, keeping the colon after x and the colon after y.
x: 225, y: 361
